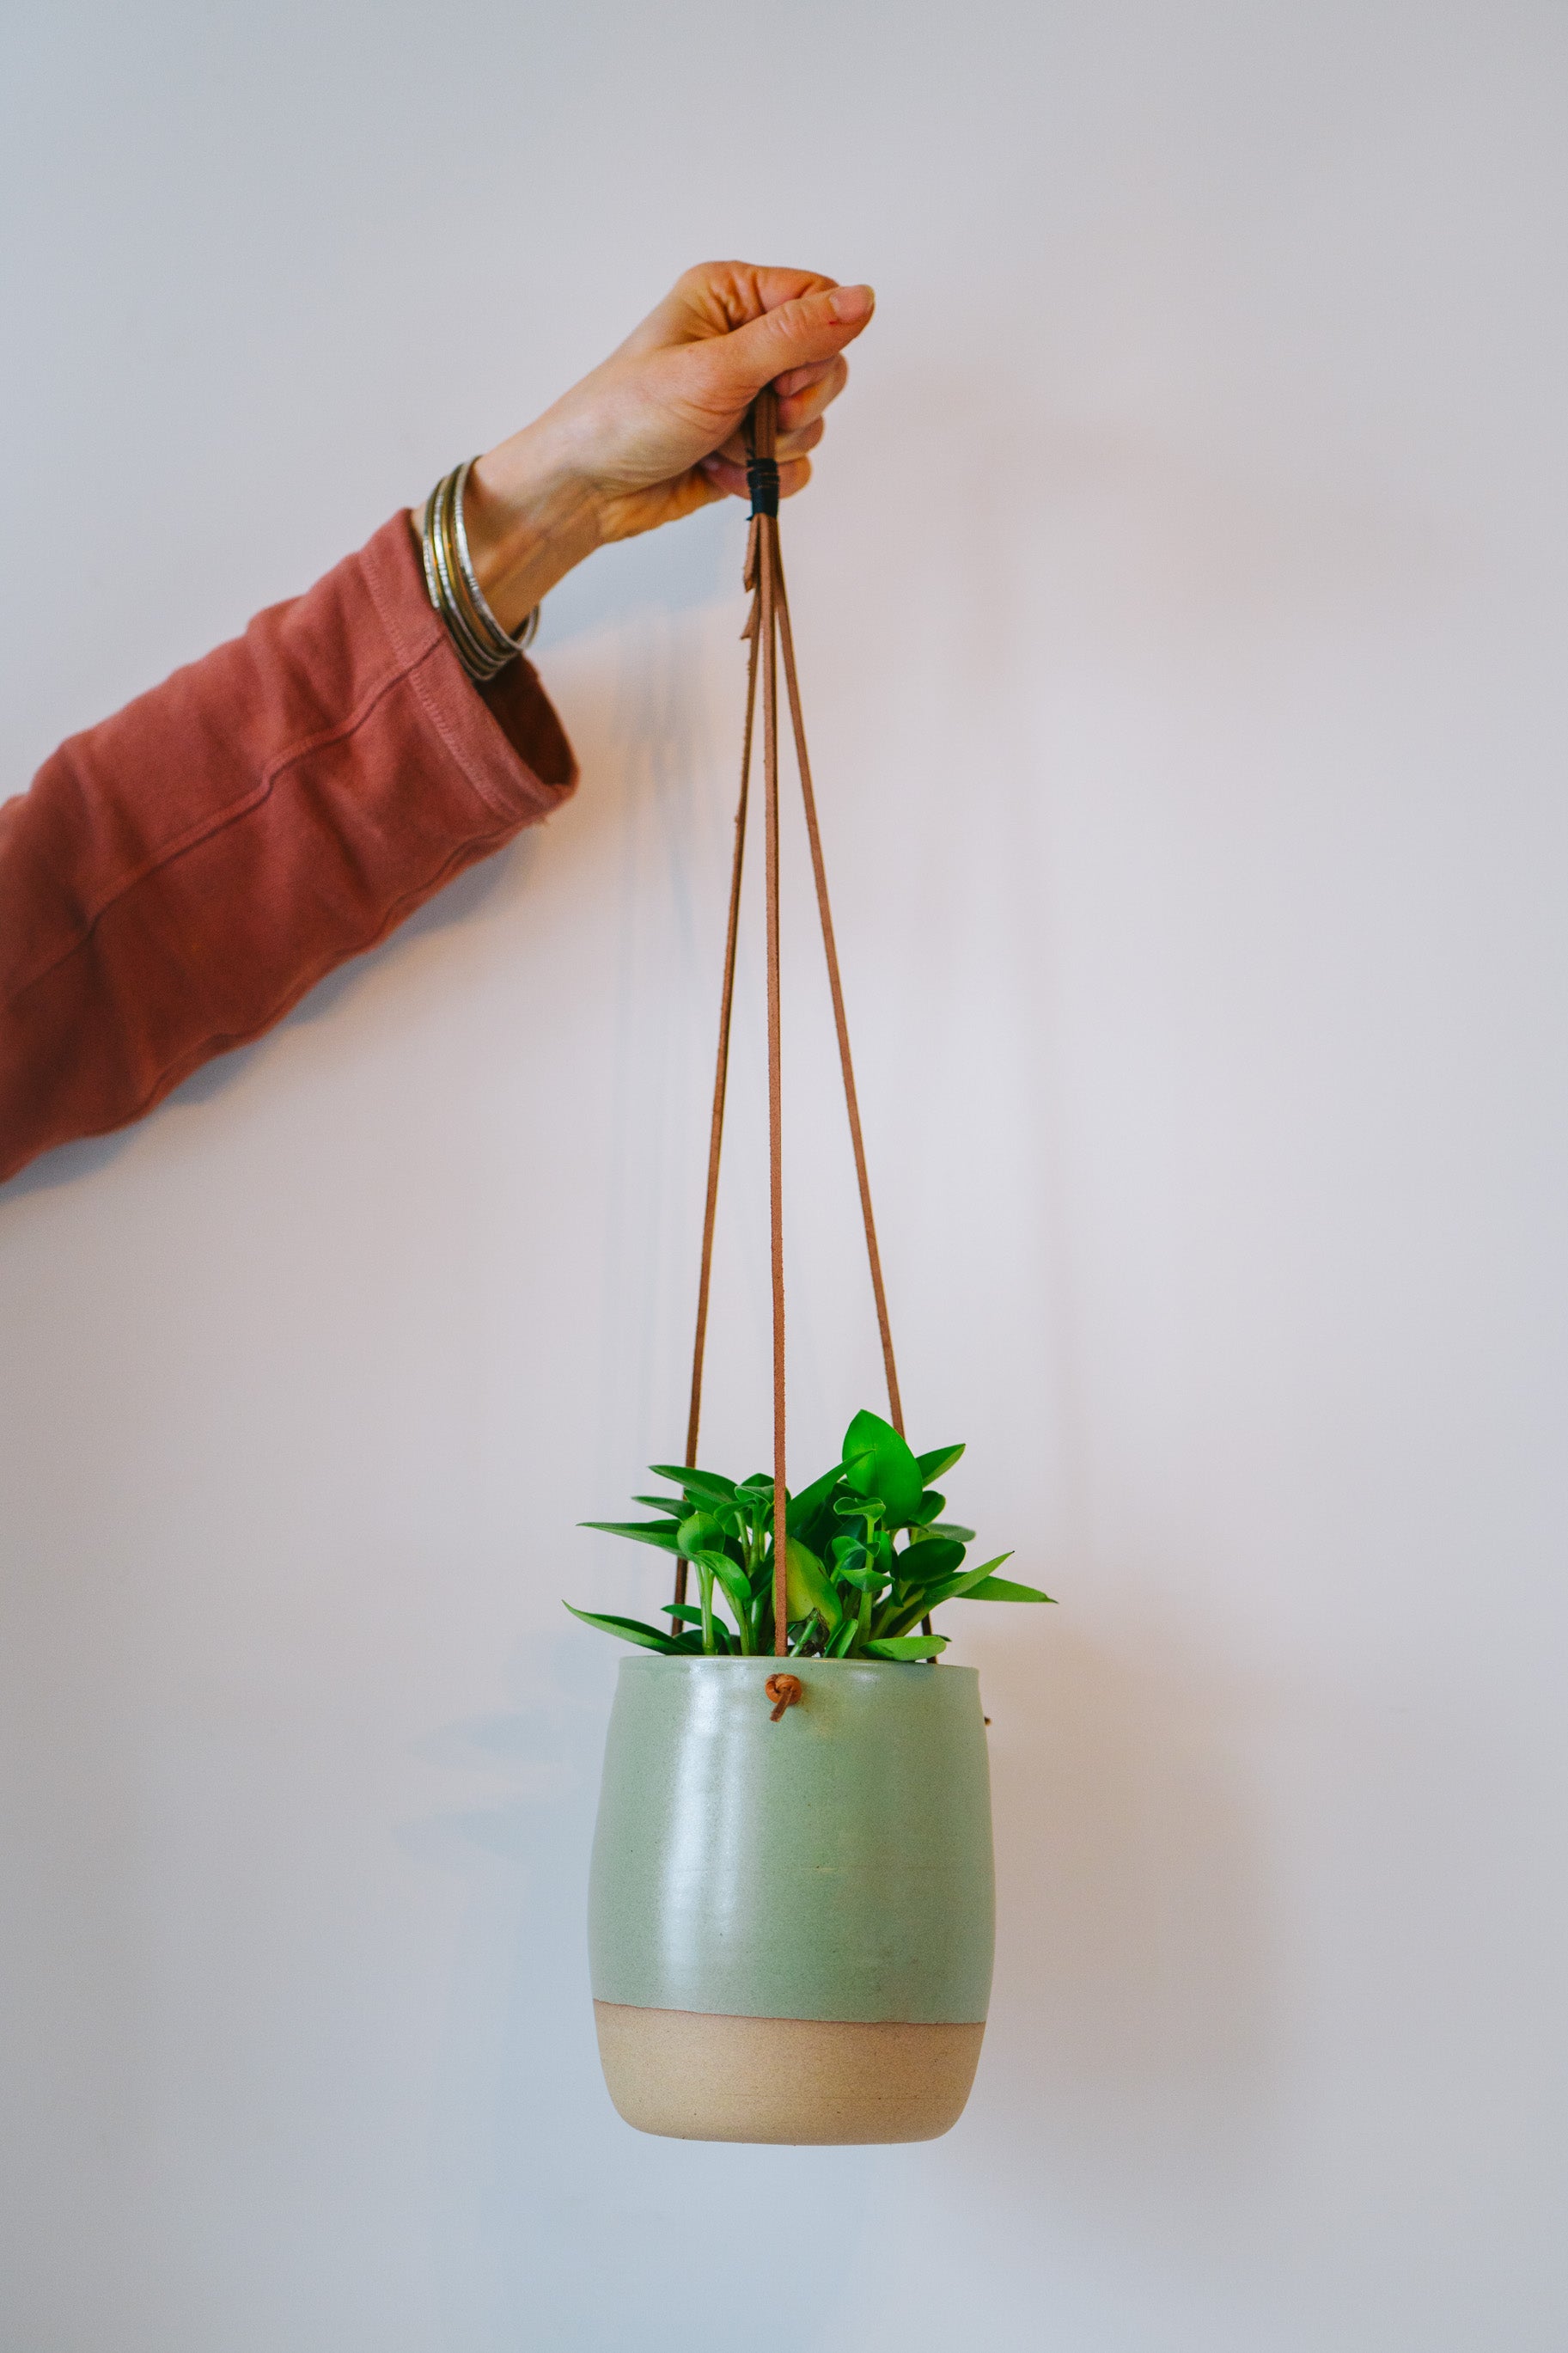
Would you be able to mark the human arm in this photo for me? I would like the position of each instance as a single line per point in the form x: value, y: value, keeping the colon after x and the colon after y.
x: 180, y: 875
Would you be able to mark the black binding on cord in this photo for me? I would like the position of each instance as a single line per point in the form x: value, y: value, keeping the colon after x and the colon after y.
x: 763, y: 481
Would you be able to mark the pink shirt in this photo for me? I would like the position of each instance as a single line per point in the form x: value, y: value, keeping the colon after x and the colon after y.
x: 176, y: 878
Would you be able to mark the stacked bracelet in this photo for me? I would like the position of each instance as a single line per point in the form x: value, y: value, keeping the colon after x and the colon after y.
x: 483, y: 646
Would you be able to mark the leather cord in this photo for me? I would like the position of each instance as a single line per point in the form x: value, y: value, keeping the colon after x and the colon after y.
x: 830, y: 952
x: 722, y: 1065
x: 768, y: 629
x: 765, y: 420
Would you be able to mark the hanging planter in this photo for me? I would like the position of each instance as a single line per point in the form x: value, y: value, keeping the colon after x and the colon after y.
x: 790, y: 1907
x: 791, y: 1900
x: 790, y: 1926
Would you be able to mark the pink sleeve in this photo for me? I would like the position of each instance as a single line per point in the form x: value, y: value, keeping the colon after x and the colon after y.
x: 176, y: 878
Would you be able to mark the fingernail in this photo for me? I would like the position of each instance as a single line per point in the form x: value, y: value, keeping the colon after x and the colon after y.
x: 849, y: 303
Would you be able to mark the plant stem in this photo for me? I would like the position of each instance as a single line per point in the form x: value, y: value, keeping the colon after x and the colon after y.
x: 751, y: 1543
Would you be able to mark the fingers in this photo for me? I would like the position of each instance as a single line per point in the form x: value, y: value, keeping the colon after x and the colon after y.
x: 787, y: 445
x: 680, y: 387
x: 798, y: 379
x: 726, y: 476
x: 717, y: 296
x: 794, y: 477
x: 801, y: 401
x: 799, y: 416
x: 795, y: 444
x: 729, y: 294
x: 800, y: 333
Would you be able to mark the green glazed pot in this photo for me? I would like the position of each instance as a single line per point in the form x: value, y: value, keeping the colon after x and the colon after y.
x: 790, y: 1925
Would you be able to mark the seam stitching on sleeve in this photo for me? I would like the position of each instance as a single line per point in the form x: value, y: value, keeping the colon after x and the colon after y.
x: 210, y: 827
x: 223, y: 1041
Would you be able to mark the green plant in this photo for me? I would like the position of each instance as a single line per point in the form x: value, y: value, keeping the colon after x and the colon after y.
x: 855, y: 1590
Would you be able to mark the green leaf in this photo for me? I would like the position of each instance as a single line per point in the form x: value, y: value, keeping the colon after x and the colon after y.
x: 908, y: 1646
x: 805, y: 1506
x: 950, y: 1528
x: 941, y: 1459
x: 877, y: 1462
x: 972, y: 1578
x: 954, y: 1588
x: 653, y: 1532
x: 709, y: 1484
x: 1000, y: 1588
x: 810, y: 1587
x: 845, y: 1636
x: 928, y: 1561
x: 930, y: 1505
x: 675, y: 1504
x: 926, y: 1597
x: 858, y: 1507
x: 731, y: 1577
x: 849, y: 1555
x: 683, y: 1609
x: 700, y: 1533
x: 630, y: 1629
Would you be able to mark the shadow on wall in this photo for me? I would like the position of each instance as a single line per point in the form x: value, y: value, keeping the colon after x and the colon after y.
x: 694, y: 563
x: 1135, y: 2019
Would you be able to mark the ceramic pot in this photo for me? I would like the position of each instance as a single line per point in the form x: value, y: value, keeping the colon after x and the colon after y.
x: 790, y: 1925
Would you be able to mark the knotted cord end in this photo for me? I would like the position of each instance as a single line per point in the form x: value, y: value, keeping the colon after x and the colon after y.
x: 786, y: 1690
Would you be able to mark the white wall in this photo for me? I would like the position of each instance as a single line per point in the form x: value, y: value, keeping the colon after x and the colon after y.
x: 1181, y: 605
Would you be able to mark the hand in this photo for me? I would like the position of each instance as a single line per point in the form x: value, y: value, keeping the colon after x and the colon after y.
x: 655, y: 432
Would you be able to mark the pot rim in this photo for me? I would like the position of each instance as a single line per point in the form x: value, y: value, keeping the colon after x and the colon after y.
x: 774, y: 1665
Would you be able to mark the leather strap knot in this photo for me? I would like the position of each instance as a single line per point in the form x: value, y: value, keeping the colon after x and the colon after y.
x: 785, y: 1689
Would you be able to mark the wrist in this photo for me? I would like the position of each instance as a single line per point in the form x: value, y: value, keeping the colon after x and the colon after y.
x: 530, y: 518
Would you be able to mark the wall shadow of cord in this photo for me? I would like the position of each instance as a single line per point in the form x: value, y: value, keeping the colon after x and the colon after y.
x: 679, y: 569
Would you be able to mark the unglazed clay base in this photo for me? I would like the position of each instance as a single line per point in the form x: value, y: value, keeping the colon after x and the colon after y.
x: 691, y: 2075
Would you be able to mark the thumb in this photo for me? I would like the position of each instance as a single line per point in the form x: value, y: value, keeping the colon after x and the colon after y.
x: 814, y: 327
